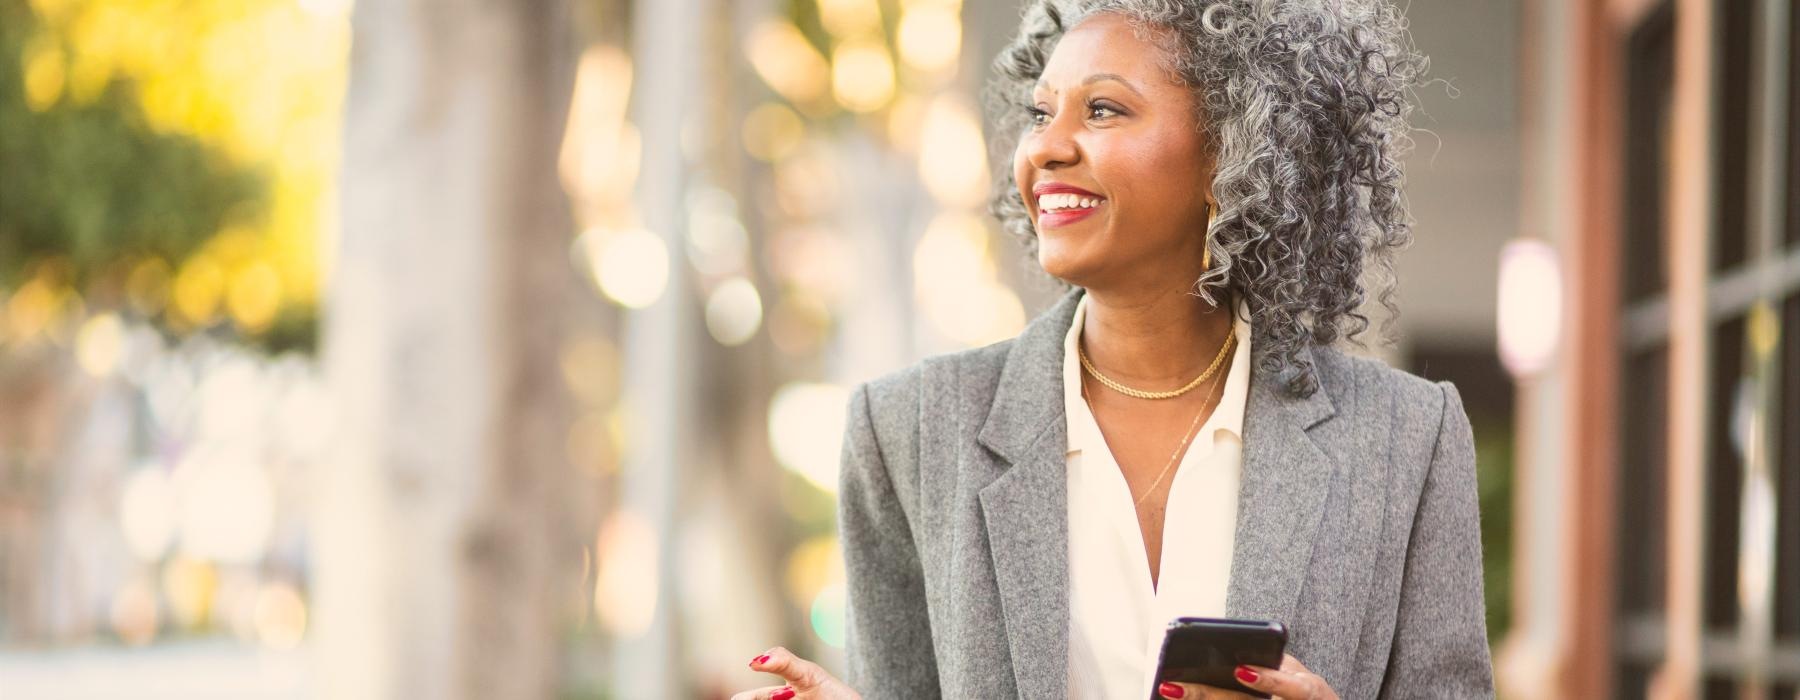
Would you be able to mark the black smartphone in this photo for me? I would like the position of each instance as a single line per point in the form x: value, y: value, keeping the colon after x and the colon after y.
x: 1208, y: 650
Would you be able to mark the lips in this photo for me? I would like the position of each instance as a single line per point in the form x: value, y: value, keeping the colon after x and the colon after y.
x: 1044, y: 188
x: 1061, y: 204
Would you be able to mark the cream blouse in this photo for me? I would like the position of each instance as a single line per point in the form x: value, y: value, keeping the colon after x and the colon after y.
x: 1116, y: 618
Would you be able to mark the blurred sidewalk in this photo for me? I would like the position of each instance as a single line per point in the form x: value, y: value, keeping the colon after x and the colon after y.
x: 200, y: 670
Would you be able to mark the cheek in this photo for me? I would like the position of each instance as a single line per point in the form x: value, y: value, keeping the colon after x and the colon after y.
x: 1160, y: 173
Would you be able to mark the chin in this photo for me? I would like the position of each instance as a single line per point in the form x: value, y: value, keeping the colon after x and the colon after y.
x: 1059, y: 261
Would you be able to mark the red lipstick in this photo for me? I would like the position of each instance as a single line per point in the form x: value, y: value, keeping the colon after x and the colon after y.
x: 1063, y: 217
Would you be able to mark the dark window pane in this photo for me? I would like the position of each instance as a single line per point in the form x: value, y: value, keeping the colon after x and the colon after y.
x: 1787, y: 479
x: 1643, y: 484
x: 1724, y: 478
x: 1719, y: 688
x: 1649, y: 83
x: 1633, y: 682
x: 1793, y: 132
x: 1731, y: 246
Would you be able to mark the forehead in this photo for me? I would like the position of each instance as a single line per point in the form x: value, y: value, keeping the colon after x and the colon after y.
x: 1107, y: 43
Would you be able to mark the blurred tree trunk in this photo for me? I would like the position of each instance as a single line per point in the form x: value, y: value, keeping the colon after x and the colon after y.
x: 447, y: 548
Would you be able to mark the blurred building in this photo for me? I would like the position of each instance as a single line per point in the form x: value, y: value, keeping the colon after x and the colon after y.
x: 1658, y: 546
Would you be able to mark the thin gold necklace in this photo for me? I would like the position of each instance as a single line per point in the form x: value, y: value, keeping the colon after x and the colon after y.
x: 1224, y: 349
x: 1189, y: 435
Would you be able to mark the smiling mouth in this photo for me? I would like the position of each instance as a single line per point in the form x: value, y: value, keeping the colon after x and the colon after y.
x: 1053, y: 218
x: 1059, y: 209
x: 1064, y: 201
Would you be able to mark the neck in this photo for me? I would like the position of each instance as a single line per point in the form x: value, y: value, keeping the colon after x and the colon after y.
x: 1154, y: 340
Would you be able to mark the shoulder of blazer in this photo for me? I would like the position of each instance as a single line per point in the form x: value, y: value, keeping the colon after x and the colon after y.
x: 1367, y: 389
x: 898, y: 401
x: 1348, y: 374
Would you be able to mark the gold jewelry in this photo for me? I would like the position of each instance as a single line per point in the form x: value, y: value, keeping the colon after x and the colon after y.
x: 1172, y: 457
x: 1224, y: 349
x: 1206, y: 245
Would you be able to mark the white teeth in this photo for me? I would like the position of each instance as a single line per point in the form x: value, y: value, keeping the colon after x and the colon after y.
x: 1066, y: 201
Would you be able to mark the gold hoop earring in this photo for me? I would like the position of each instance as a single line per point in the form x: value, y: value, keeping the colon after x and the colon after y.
x: 1206, y: 245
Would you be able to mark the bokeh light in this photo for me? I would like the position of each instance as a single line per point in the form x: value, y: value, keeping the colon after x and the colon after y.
x: 734, y: 312
x: 930, y: 37
x: 280, y: 616
x: 828, y: 615
x: 953, y: 154
x: 100, y: 343
x: 147, y: 513
x: 788, y: 62
x: 806, y: 429
x: 772, y: 131
x: 862, y: 75
x: 189, y: 585
x: 626, y: 589
x: 134, y: 613
x: 226, y: 507
x: 955, y: 282
x: 631, y: 266
x: 1530, y: 305
x: 850, y: 18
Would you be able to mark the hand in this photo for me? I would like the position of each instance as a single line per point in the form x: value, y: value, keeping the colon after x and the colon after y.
x: 1292, y: 682
x: 805, y: 680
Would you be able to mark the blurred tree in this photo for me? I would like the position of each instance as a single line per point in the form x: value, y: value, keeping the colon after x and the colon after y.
x: 452, y: 549
x: 177, y: 154
x: 93, y: 182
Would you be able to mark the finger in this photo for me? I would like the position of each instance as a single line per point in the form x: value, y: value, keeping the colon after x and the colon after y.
x: 1293, y: 665
x: 773, y: 692
x: 1288, y: 685
x: 802, y: 674
x: 1196, y: 691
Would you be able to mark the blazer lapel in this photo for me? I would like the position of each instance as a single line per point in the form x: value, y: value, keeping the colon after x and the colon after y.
x: 1026, y: 505
x: 1285, y: 477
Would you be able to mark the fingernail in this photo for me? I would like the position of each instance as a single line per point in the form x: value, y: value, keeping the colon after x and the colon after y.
x: 782, y: 693
x: 1170, y: 690
x: 1246, y: 675
x: 760, y: 660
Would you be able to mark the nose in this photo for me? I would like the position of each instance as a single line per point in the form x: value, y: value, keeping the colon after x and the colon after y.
x: 1053, y: 146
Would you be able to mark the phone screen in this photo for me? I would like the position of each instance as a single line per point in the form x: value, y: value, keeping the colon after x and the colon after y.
x: 1208, y: 650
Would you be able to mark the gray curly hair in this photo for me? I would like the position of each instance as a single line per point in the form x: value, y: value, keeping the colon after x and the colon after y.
x: 1304, y: 104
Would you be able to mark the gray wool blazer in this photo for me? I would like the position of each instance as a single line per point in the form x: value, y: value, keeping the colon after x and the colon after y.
x: 1358, y: 526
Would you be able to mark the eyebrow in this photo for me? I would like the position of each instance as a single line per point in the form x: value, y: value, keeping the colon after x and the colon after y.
x: 1095, y: 78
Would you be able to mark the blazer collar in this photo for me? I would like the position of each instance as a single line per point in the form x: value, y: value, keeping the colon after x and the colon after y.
x: 1285, y: 477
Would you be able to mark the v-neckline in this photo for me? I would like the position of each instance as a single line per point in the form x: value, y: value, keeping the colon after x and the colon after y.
x: 1120, y: 493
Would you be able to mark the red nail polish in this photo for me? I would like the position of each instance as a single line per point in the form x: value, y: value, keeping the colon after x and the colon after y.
x: 1246, y: 675
x: 1170, y: 690
x: 782, y: 694
x: 760, y: 660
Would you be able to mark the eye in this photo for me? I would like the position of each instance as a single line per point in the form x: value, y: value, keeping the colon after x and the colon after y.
x: 1037, y: 116
x: 1095, y: 108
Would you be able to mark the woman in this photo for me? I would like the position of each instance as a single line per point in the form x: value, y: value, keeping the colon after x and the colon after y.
x: 1212, y: 177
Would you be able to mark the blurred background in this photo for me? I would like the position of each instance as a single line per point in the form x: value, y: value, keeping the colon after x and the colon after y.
x: 392, y: 348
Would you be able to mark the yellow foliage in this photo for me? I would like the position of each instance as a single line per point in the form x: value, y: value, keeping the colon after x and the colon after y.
x: 197, y: 289
x: 45, y: 73
x: 262, y: 80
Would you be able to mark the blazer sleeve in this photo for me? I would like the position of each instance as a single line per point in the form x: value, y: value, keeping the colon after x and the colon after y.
x: 888, y: 631
x: 1440, y: 645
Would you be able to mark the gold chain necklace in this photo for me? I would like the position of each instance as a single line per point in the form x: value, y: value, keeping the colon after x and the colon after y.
x: 1189, y: 435
x: 1224, y: 350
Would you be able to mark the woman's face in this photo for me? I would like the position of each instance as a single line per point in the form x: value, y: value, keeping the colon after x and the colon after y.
x: 1113, y: 128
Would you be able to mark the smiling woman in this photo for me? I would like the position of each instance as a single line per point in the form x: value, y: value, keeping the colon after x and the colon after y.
x: 1177, y: 436
x: 1287, y: 120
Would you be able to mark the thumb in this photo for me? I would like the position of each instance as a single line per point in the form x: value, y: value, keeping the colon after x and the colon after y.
x: 802, y: 674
